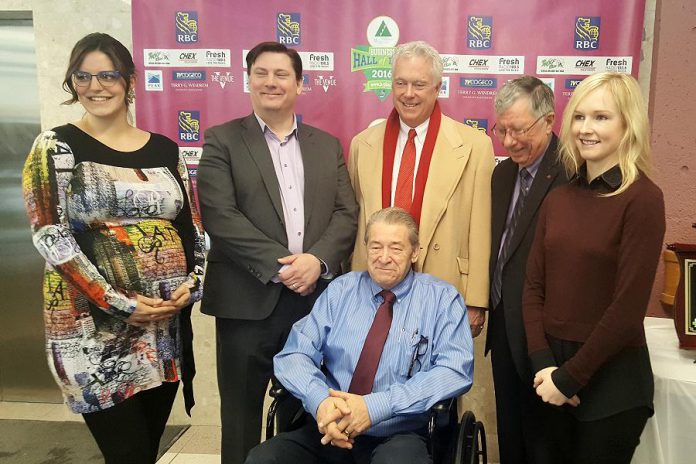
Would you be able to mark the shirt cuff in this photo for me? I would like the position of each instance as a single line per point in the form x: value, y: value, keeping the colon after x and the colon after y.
x: 314, y: 398
x: 275, y: 279
x: 378, y: 407
x: 541, y: 360
x: 565, y: 383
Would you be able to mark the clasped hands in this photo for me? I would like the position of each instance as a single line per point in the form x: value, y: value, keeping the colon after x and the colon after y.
x: 341, y: 417
x: 300, y: 272
x: 149, y: 310
x: 547, y: 390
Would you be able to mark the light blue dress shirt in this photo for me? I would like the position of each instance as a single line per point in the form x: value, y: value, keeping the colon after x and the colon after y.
x: 335, y: 331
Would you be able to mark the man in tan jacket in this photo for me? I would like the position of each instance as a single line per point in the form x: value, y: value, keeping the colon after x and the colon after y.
x: 437, y: 169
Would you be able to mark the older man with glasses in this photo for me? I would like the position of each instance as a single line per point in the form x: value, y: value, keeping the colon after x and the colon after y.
x: 377, y: 351
x: 525, y: 115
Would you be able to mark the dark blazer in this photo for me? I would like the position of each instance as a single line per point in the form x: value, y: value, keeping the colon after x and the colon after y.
x: 242, y: 213
x: 550, y: 175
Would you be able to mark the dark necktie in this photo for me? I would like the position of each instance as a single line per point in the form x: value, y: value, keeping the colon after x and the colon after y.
x: 366, y: 368
x: 403, y: 195
x: 497, y: 283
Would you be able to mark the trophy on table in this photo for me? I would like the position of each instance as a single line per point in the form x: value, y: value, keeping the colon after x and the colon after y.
x: 685, y: 295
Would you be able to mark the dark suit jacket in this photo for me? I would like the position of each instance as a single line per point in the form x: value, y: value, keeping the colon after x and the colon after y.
x: 243, y: 215
x: 550, y: 175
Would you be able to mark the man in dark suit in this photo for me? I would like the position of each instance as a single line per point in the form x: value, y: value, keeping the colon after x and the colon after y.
x: 278, y: 206
x: 524, y: 125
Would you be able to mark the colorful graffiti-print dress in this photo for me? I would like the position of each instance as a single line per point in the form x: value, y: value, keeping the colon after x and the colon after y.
x: 111, y: 224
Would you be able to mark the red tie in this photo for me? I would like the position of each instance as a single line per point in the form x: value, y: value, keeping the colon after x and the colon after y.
x: 403, y: 197
x: 365, y: 370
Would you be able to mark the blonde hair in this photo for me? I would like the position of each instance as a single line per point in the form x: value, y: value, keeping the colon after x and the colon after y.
x: 634, y: 147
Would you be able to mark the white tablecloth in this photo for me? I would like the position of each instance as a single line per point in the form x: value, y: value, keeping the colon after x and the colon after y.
x: 670, y: 435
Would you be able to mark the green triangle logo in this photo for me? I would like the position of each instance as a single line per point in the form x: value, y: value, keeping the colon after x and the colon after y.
x: 383, y: 30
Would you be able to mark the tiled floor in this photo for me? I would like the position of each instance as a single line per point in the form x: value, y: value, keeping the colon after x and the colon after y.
x: 198, y: 445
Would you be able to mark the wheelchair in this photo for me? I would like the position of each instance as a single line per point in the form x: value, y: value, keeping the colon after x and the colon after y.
x: 449, y: 441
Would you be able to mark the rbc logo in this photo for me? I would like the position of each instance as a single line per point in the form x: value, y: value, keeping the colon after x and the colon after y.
x: 186, y: 26
x: 288, y: 28
x: 479, y: 32
x: 480, y: 124
x: 189, y: 126
x: 586, y: 35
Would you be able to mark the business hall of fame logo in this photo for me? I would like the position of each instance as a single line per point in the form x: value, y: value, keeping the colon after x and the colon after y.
x: 374, y: 60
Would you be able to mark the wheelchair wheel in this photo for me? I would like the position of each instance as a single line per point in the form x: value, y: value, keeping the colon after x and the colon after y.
x: 470, y: 444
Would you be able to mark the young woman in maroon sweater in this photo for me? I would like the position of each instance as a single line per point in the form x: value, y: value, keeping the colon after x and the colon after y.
x: 589, y: 276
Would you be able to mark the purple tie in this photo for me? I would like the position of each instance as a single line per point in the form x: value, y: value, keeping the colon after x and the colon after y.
x: 365, y: 370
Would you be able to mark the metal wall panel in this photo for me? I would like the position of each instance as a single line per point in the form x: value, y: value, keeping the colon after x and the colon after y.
x: 24, y: 374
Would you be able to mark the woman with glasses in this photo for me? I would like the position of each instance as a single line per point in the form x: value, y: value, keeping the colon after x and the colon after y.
x: 589, y: 277
x: 110, y: 212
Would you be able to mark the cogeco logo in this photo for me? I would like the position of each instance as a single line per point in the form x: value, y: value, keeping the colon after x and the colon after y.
x: 483, y: 83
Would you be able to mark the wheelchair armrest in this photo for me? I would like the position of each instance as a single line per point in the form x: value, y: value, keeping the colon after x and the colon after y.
x: 277, y: 391
x: 442, y: 406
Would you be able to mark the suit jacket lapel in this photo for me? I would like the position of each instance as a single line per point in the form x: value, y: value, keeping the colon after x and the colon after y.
x: 548, y: 170
x: 312, y: 162
x: 503, y: 186
x: 450, y: 156
x: 258, y: 148
x: 370, y: 170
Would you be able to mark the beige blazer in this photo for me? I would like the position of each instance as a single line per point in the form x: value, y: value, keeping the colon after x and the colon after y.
x: 455, y: 224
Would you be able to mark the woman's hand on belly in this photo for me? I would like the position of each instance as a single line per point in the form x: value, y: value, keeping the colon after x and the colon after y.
x: 150, y: 310
x: 180, y: 297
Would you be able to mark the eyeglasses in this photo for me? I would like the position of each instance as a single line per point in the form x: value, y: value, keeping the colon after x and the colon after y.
x: 105, y: 78
x: 418, y: 351
x: 514, y: 133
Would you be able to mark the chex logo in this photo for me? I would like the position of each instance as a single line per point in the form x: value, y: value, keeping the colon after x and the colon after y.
x: 222, y: 78
x: 570, y: 84
x: 479, y: 32
x: 189, y: 126
x: 188, y: 75
x: 186, y: 26
x: 188, y: 57
x: 586, y: 36
x: 288, y: 28
x: 478, y: 82
x: 325, y: 82
x: 480, y: 124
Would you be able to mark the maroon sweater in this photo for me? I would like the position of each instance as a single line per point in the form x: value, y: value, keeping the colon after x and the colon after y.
x: 589, y: 277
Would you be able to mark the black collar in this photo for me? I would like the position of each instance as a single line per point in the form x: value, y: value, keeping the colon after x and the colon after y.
x: 607, y: 182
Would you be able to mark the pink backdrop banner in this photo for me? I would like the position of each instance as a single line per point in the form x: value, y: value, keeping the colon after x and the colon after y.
x: 190, y: 55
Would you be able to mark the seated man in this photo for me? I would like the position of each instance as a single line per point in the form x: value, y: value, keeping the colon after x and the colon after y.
x: 393, y: 342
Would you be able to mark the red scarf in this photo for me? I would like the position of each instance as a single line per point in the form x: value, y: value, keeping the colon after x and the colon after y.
x: 389, y: 147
